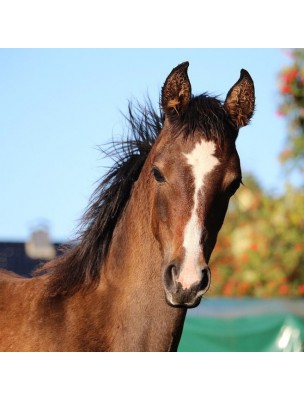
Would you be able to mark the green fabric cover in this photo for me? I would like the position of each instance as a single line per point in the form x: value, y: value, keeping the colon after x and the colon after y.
x: 256, y: 331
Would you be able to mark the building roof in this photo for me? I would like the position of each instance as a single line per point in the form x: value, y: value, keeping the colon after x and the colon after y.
x: 14, y: 257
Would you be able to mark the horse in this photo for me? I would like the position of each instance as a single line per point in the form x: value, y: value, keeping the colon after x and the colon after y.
x: 141, y: 258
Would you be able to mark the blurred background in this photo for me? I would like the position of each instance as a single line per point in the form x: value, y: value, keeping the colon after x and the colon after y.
x: 57, y: 106
x: 260, y: 251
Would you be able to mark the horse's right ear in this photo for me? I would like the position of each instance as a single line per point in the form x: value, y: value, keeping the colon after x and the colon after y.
x: 176, y: 92
x: 240, y: 100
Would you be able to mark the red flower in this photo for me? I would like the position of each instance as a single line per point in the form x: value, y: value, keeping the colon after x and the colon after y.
x: 228, y: 289
x: 301, y: 290
x: 254, y: 247
x: 283, y: 289
x: 285, y: 155
x: 243, y: 288
x: 279, y: 113
x: 286, y: 89
x: 244, y: 258
x: 298, y: 247
x: 290, y: 76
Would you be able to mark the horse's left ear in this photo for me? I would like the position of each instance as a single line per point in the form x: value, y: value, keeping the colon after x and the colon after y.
x: 176, y: 92
x: 240, y: 100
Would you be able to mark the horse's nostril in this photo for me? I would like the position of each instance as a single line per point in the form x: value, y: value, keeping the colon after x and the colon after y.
x: 206, y: 277
x: 170, y: 276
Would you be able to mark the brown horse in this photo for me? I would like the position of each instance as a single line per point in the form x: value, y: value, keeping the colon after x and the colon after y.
x: 142, y: 255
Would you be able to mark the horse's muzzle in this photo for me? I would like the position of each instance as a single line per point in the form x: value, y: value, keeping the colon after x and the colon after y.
x: 177, y: 296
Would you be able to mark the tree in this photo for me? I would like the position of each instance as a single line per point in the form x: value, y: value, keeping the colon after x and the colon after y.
x: 291, y: 86
x: 260, y: 250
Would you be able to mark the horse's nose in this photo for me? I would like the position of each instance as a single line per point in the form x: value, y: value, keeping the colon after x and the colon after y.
x: 180, y: 294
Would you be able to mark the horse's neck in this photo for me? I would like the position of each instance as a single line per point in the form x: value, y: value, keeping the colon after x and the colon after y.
x: 140, y: 318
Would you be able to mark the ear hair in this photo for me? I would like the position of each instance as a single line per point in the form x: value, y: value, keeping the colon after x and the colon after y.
x: 176, y: 92
x: 240, y: 100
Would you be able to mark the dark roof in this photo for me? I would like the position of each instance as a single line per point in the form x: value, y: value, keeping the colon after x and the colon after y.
x: 13, y: 257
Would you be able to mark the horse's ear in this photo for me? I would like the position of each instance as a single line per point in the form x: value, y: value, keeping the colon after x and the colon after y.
x: 240, y: 100
x: 176, y: 92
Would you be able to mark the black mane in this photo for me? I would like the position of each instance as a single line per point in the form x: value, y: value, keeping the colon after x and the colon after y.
x: 79, y: 266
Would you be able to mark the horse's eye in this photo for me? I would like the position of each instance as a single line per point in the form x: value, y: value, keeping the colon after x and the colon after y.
x: 233, y: 187
x: 159, y: 177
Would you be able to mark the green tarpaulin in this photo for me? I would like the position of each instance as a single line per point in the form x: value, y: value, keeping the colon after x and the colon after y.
x: 244, y: 325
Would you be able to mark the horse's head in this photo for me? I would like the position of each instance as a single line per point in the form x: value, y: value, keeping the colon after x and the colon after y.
x: 195, y: 169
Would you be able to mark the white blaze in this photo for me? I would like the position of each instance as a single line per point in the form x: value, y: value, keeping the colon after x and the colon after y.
x: 202, y: 161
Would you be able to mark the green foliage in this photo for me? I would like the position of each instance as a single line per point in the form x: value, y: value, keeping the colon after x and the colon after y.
x: 260, y: 247
x: 291, y: 86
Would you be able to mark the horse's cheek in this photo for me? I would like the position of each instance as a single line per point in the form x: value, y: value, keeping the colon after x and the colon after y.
x: 160, y: 217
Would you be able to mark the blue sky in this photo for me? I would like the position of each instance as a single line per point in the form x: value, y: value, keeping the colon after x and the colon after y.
x: 57, y: 106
